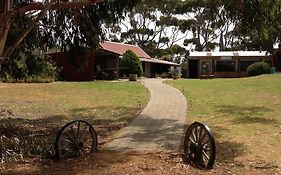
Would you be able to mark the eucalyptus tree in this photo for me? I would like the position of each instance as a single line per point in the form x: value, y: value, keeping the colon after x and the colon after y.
x: 151, y: 24
x: 208, y: 23
x: 259, y: 22
x: 28, y: 25
x: 78, y: 21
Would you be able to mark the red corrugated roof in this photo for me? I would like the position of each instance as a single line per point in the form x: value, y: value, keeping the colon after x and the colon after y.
x: 120, y: 49
x: 158, y: 61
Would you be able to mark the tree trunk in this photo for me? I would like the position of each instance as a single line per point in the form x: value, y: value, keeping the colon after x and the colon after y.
x: 4, y: 30
x: 24, y: 33
x: 5, y: 7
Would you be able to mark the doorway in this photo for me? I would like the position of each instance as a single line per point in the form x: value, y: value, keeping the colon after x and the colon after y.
x: 193, y: 68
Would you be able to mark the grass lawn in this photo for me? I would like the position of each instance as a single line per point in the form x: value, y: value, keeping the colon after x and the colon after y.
x: 35, y: 112
x: 244, y: 115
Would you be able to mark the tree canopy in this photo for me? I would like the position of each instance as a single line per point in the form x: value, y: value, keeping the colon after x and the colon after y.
x: 156, y: 26
x: 57, y: 23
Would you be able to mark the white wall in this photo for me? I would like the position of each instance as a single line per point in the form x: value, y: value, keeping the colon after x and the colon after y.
x: 147, y: 69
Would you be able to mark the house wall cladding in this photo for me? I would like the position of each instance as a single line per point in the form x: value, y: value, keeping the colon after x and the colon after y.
x: 71, y: 72
x: 227, y: 66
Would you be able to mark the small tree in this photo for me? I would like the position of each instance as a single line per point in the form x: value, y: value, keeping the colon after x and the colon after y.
x: 258, y: 68
x: 132, y: 63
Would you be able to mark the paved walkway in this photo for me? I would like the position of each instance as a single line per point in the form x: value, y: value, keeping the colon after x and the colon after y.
x: 159, y: 127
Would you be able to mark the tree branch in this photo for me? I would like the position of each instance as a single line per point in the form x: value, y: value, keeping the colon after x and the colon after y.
x: 40, y: 6
x: 26, y: 31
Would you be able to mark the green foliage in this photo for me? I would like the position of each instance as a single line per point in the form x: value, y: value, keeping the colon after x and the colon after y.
x: 258, y: 68
x: 28, y: 66
x: 83, y: 26
x: 132, y: 63
x: 259, y: 22
x: 175, y: 73
x: 165, y: 75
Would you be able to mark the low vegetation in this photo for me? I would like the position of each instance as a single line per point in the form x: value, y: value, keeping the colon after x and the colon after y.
x: 32, y: 114
x: 244, y: 115
x: 258, y: 68
x: 29, y: 66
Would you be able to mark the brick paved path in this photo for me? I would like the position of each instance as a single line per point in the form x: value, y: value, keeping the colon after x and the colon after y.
x: 159, y: 127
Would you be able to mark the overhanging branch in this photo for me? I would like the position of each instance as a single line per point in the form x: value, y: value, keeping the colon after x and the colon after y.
x: 40, y: 6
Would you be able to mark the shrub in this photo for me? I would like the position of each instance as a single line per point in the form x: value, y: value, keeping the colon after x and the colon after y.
x: 165, y: 75
x: 258, y: 68
x: 26, y: 66
x: 175, y: 73
x: 132, y: 63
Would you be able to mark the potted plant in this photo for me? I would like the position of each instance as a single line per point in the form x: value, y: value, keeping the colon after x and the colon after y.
x: 132, y: 65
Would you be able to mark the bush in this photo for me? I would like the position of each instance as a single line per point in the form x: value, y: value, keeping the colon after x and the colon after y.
x: 175, y: 73
x: 132, y: 63
x: 28, y: 66
x: 258, y: 68
x: 165, y: 75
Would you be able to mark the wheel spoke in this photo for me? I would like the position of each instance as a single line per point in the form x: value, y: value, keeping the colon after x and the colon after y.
x: 86, y: 145
x: 200, y: 134
x: 205, y: 155
x: 87, y: 138
x: 67, y: 140
x: 204, y: 135
x: 191, y: 139
x: 83, y: 131
x: 204, y: 143
x: 77, y: 136
x: 207, y: 149
x: 68, y: 153
x: 194, y: 136
x: 196, y: 133
x: 73, y: 133
x: 71, y: 139
x: 83, y: 150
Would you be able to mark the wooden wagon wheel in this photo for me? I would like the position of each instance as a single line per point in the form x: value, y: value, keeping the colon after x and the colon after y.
x: 74, y: 139
x: 199, y: 145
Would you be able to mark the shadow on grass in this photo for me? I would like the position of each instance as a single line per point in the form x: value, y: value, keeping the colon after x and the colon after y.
x: 247, y: 115
x: 227, y: 151
x: 37, y: 136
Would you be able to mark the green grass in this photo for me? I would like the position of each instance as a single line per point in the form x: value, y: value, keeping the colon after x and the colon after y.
x: 244, y: 115
x: 38, y: 111
x: 93, y: 100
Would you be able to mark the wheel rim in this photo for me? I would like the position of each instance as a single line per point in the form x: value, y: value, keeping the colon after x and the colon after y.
x: 199, y: 145
x: 74, y: 139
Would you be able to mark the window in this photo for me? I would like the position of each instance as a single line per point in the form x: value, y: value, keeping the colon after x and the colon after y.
x: 206, y: 66
x: 225, y: 66
x: 245, y: 64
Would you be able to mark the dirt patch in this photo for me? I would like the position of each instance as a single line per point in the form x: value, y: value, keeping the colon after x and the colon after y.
x: 107, y: 163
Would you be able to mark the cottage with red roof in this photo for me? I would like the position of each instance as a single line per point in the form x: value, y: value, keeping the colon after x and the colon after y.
x: 111, y: 52
x: 105, y: 63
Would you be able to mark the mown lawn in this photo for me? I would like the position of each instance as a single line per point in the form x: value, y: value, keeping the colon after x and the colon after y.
x: 244, y: 115
x: 35, y: 112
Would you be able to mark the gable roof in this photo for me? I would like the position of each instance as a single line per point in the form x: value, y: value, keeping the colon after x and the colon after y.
x: 120, y: 49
